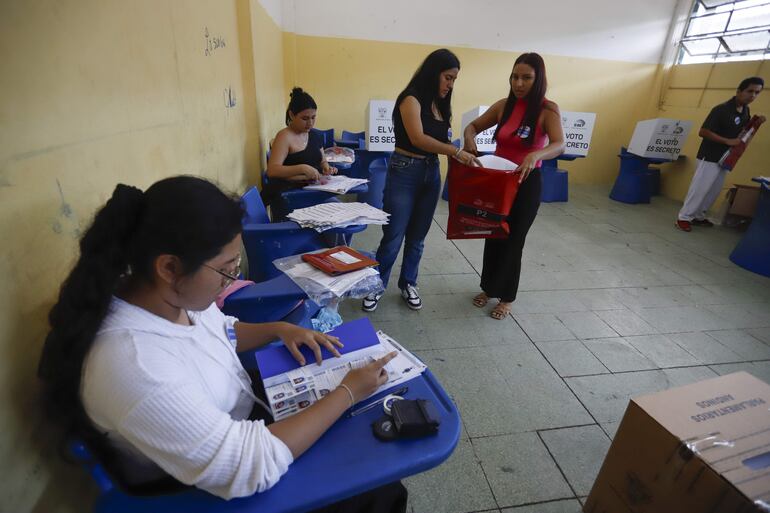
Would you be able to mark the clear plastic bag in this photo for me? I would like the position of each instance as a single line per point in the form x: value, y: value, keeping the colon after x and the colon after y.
x: 324, y: 289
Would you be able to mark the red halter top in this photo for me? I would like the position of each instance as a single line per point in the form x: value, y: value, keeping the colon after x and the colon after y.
x: 511, y: 143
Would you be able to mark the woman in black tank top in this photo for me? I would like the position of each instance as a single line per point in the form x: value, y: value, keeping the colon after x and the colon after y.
x: 296, y: 156
x: 420, y: 124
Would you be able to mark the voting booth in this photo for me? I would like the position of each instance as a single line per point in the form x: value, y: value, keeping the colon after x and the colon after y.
x: 659, y: 138
x: 578, y: 128
x: 379, y: 125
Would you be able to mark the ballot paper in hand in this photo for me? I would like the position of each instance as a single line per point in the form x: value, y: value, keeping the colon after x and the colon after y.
x: 495, y: 162
x: 337, y: 184
x: 293, y: 391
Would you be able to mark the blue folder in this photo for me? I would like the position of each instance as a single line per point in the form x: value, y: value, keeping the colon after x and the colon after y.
x: 358, y: 334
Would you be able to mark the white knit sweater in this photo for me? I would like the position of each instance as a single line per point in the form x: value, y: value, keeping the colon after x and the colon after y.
x: 178, y: 396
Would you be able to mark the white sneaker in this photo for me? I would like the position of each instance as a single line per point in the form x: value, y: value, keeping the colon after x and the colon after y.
x: 411, y: 297
x: 369, y: 304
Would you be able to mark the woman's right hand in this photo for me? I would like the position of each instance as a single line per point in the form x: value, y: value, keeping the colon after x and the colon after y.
x: 364, y: 381
x: 467, y: 158
x: 470, y: 146
x: 310, y: 173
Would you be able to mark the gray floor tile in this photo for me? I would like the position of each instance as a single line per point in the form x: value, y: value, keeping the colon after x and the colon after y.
x: 610, y: 428
x: 760, y: 370
x: 606, y: 396
x: 626, y: 323
x: 456, y: 486
x: 563, y: 506
x: 586, y: 325
x: 676, y: 319
x: 549, y: 301
x: 579, y: 453
x: 742, y: 343
x: 662, y: 351
x: 520, y: 470
x: 704, y: 348
x: 541, y: 327
x: 740, y: 315
x: 571, y: 358
x: 762, y: 334
x: 471, y: 332
x: 618, y: 355
x: 503, y: 390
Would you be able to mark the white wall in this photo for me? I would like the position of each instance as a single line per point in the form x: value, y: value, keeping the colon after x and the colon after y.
x: 623, y: 30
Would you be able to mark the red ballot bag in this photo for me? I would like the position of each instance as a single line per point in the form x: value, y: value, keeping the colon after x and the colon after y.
x: 731, y: 156
x: 479, y: 201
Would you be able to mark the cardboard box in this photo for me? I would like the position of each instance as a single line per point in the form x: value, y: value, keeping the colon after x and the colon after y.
x: 484, y: 141
x: 700, y: 448
x: 379, y: 126
x: 659, y: 138
x: 743, y: 200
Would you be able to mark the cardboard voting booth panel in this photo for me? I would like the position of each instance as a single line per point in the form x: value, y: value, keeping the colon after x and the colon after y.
x: 659, y: 138
x: 484, y: 141
x: 578, y: 128
x: 700, y: 448
x: 379, y: 126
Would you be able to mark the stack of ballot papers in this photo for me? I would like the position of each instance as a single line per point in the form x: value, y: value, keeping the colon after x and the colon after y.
x: 338, y: 184
x: 290, y: 388
x: 337, y: 215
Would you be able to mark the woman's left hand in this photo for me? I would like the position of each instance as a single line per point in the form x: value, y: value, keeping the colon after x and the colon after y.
x: 295, y: 336
x: 329, y: 170
x: 526, y: 166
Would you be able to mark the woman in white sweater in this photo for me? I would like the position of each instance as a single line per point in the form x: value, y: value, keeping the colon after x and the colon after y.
x: 141, y: 363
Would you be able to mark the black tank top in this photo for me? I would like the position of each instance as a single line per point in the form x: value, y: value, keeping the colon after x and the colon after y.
x: 431, y: 126
x: 311, y: 156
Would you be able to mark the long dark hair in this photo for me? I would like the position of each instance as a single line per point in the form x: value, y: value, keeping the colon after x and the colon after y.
x: 425, y: 81
x: 534, y: 97
x: 300, y: 100
x: 184, y: 216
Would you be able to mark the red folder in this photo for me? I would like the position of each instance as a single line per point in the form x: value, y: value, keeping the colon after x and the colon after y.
x: 339, y: 260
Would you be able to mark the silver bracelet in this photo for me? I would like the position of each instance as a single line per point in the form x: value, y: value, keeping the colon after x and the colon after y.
x: 350, y: 393
x: 458, y: 151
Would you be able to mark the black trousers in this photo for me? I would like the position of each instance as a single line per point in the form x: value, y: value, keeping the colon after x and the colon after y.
x: 502, y: 257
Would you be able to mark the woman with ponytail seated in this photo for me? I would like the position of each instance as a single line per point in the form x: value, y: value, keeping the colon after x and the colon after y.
x: 296, y: 156
x: 141, y: 364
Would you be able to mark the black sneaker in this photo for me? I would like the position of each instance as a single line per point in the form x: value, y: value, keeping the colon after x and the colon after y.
x: 411, y: 297
x: 702, y: 222
x: 370, y: 302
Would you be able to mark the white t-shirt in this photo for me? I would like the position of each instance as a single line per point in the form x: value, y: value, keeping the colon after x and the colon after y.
x: 179, y: 397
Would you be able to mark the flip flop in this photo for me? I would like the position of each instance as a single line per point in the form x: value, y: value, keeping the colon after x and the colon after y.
x: 500, y: 311
x: 481, y: 300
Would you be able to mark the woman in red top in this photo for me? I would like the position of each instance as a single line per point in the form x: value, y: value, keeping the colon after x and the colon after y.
x: 528, y: 131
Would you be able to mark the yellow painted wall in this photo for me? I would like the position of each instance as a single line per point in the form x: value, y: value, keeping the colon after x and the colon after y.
x: 344, y: 74
x: 92, y: 93
x: 692, y: 91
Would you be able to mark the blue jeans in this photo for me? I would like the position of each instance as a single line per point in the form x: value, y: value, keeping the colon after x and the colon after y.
x: 411, y: 192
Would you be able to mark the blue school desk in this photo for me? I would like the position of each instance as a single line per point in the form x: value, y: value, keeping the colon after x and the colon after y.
x: 346, y: 461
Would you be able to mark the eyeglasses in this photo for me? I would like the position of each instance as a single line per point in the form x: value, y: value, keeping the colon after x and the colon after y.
x: 228, y: 277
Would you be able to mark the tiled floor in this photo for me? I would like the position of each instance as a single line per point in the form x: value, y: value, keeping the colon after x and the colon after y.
x: 614, y: 303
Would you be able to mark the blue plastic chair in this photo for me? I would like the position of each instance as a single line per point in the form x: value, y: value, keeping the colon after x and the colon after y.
x: 555, y: 182
x: 274, y: 297
x: 753, y: 250
x: 327, y: 136
x: 351, y: 139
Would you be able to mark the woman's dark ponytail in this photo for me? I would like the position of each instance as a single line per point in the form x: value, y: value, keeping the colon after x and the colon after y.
x: 184, y: 216
x: 85, y: 295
